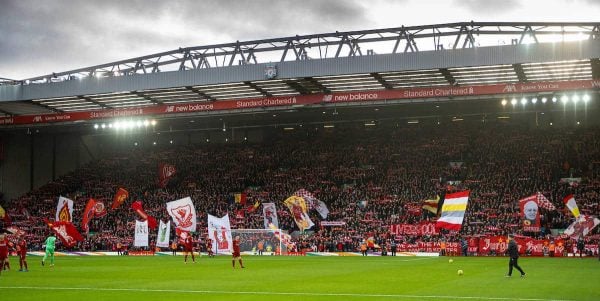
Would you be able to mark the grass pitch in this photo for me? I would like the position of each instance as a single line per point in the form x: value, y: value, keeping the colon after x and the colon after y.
x: 301, y: 278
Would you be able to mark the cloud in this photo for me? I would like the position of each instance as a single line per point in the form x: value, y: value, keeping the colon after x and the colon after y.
x: 72, y: 34
x: 489, y: 8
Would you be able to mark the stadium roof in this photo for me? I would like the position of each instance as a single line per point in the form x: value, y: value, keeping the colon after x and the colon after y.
x: 398, y: 65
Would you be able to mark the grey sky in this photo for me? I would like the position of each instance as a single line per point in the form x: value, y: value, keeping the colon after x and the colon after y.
x: 39, y: 37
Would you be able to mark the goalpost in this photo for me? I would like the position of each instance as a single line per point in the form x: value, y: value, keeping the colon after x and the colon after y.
x: 251, y: 238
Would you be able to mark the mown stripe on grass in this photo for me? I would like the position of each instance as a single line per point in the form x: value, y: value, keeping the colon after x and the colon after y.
x: 144, y: 290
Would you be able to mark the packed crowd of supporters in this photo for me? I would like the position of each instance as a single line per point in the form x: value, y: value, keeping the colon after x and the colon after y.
x: 368, y: 178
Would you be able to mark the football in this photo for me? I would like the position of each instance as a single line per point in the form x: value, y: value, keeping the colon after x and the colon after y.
x: 460, y: 272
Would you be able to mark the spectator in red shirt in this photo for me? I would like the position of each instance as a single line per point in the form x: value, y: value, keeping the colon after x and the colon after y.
x: 236, y: 252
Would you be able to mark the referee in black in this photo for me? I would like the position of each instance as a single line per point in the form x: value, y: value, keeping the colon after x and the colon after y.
x: 513, y: 252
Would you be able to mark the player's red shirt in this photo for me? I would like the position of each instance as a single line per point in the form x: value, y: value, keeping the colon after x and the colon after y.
x: 236, y: 248
x: 3, y: 249
x: 22, y: 246
x: 188, y: 244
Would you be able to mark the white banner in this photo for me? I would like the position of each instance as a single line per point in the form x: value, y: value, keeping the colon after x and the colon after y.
x: 141, y: 234
x: 164, y: 233
x: 321, y: 208
x: 219, y: 230
x: 333, y: 223
x: 183, y: 213
x: 582, y: 226
x: 64, y: 210
x: 270, y: 215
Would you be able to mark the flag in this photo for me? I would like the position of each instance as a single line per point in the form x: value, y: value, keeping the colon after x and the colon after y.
x: 183, y: 213
x: 432, y: 205
x: 270, y: 215
x: 308, y: 197
x: 254, y: 206
x: 544, y: 202
x: 219, y: 230
x: 299, y: 210
x: 582, y: 226
x: 4, y: 216
x: 240, y: 198
x: 453, y: 211
x: 137, y: 206
x: 15, y: 230
x: 164, y: 231
x: 321, y: 208
x: 165, y: 172
x: 64, y: 210
x: 88, y: 214
x: 99, y: 209
x: 141, y: 234
x: 569, y: 201
x: 530, y: 215
x: 313, y: 203
x: 66, y: 232
x: 119, y: 198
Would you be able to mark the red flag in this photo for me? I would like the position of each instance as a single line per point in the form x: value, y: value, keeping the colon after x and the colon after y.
x: 530, y: 215
x: 119, y: 198
x: 66, y: 232
x: 99, y: 209
x: 88, y: 214
x: 165, y: 172
x: 139, y: 209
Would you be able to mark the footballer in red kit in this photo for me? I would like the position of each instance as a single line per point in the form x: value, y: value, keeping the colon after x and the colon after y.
x: 188, y: 248
x: 3, y: 251
x: 22, y: 252
x: 236, y: 252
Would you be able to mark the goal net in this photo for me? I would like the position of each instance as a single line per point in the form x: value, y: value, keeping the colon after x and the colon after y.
x: 252, y: 239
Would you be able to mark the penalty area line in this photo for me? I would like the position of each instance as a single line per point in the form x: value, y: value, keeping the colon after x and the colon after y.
x: 210, y: 292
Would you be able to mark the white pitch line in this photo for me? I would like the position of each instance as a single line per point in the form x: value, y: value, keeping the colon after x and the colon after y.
x: 269, y: 293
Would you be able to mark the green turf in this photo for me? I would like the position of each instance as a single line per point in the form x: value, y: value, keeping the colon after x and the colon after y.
x: 301, y: 278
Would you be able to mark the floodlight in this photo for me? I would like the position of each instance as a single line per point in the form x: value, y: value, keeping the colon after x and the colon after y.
x: 586, y: 98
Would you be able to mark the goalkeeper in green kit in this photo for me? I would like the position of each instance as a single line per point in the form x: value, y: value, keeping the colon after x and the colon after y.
x: 50, y: 243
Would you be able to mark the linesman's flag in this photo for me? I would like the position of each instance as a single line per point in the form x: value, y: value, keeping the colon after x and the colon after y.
x: 453, y: 211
